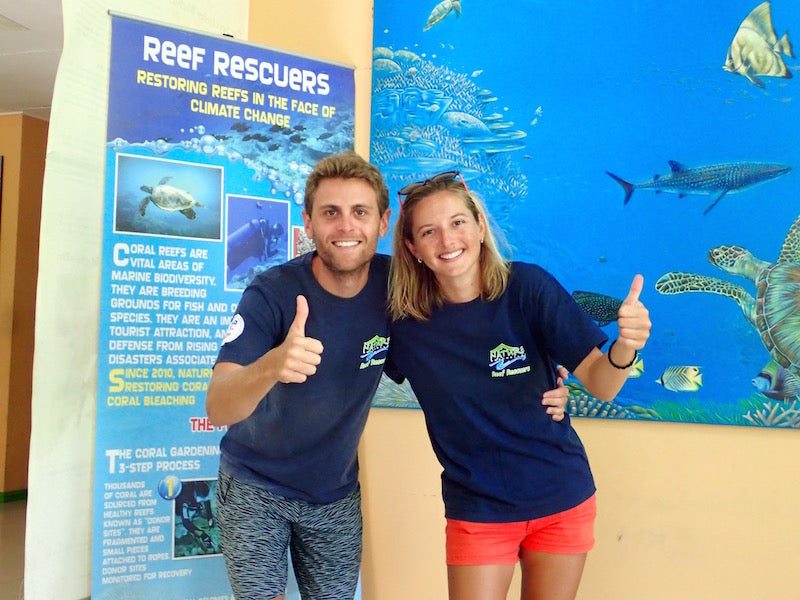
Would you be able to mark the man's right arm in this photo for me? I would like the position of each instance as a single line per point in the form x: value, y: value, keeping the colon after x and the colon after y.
x: 234, y: 390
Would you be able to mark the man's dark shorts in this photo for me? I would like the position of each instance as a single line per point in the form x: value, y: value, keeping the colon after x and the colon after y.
x: 256, y: 528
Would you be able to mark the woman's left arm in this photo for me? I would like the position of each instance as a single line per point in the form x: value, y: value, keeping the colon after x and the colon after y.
x: 556, y: 399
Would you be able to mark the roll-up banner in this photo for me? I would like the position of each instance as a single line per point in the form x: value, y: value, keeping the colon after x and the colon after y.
x: 209, y: 144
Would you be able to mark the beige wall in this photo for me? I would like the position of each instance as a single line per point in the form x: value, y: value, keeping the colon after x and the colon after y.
x: 23, y: 141
x: 685, y: 511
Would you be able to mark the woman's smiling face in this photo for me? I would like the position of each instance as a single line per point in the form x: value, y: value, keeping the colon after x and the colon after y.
x: 447, y: 237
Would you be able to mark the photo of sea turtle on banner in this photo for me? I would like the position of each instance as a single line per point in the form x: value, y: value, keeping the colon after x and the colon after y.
x: 156, y: 196
x: 169, y: 198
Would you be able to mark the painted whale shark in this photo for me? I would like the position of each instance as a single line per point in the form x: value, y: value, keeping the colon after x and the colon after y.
x: 718, y: 179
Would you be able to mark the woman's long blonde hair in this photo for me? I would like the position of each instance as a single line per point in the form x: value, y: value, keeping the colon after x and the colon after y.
x: 413, y: 289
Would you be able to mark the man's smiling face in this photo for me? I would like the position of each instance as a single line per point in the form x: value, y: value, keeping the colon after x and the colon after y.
x: 345, y: 225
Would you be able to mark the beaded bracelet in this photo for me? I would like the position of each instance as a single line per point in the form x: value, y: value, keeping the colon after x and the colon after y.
x: 615, y: 365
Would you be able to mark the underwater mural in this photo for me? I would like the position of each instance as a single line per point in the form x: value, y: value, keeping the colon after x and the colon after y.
x: 547, y: 112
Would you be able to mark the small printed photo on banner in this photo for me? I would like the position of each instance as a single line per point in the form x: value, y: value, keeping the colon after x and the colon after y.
x: 256, y: 238
x: 195, y: 532
x: 301, y: 243
x: 167, y: 197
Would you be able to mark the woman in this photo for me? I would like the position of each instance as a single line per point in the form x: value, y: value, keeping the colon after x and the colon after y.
x: 479, y: 339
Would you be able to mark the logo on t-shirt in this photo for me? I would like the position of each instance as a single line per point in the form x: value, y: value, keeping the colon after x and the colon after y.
x: 372, y: 349
x: 503, y: 356
x: 235, y: 329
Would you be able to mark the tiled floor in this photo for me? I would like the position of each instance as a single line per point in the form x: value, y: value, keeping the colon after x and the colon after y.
x: 12, y: 549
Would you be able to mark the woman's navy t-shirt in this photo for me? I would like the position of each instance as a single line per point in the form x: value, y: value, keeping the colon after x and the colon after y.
x: 479, y: 371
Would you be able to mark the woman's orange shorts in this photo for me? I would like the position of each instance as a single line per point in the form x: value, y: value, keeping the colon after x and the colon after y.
x: 567, y: 532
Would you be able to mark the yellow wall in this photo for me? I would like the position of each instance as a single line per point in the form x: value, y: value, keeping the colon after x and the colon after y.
x: 23, y: 141
x: 685, y: 511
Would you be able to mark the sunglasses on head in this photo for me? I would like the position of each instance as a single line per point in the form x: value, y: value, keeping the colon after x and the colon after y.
x: 438, y: 178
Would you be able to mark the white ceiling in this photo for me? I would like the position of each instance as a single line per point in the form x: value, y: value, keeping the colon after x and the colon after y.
x: 31, y: 37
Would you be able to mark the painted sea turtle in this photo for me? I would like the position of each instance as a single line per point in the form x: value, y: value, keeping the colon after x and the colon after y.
x: 441, y: 10
x: 775, y: 310
x: 169, y: 198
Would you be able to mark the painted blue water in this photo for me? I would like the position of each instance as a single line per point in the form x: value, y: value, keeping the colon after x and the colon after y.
x: 623, y: 87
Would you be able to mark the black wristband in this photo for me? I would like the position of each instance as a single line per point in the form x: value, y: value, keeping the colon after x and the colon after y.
x: 615, y: 365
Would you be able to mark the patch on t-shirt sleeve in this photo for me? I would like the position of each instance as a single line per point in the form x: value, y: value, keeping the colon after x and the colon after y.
x: 235, y: 329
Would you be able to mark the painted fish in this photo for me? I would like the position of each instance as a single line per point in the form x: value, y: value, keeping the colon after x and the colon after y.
x: 716, y: 179
x: 440, y: 12
x: 465, y: 125
x: 681, y: 379
x: 599, y: 307
x: 637, y: 368
x: 756, y: 50
x: 777, y: 383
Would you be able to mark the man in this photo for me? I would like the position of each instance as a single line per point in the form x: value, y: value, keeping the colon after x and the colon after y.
x: 295, y: 408
x: 293, y: 381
